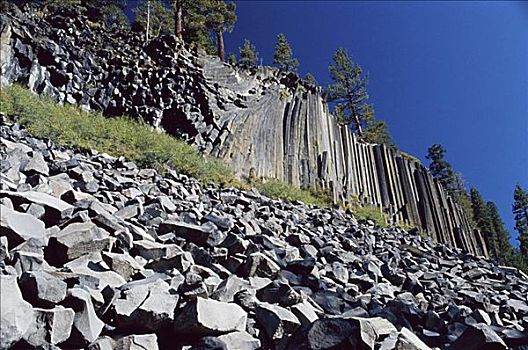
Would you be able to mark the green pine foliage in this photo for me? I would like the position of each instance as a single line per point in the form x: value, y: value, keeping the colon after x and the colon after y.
x: 248, y: 54
x: 160, y: 17
x: 502, y: 237
x: 283, y: 56
x: 483, y: 220
x: 231, y: 59
x: 441, y: 169
x: 310, y: 79
x: 349, y: 91
x: 220, y: 17
x: 376, y: 131
x: 520, y: 212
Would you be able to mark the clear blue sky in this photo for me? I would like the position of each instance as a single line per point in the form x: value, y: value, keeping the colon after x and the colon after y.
x: 454, y: 73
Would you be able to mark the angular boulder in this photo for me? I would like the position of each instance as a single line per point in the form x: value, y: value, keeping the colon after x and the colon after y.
x: 210, y: 317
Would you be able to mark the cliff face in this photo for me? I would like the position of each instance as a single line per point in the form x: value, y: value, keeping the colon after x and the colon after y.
x: 259, y: 120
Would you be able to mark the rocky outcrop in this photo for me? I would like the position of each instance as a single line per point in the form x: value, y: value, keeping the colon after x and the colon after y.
x: 261, y: 121
x: 190, y: 267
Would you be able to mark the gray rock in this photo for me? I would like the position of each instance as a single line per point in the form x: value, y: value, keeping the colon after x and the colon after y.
x: 258, y: 264
x: 329, y: 333
x: 76, y: 240
x: 19, y: 227
x: 42, y: 289
x: 199, y: 235
x: 148, y: 306
x: 277, y: 321
x: 86, y: 325
x: 407, y: 340
x: 138, y: 342
x: 17, y: 315
x: 479, y: 336
x: 305, y: 313
x: 56, y: 209
x: 52, y: 326
x: 37, y: 164
x: 240, y: 340
x: 210, y: 317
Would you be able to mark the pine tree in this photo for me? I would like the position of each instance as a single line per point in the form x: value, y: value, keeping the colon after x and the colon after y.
x: 502, y: 237
x: 195, y: 31
x: 231, y: 59
x: 153, y: 17
x: 482, y: 218
x: 283, y: 56
x: 520, y: 212
x: 248, y: 54
x: 349, y: 91
x: 310, y: 79
x: 376, y: 131
x: 442, y: 170
x: 220, y: 18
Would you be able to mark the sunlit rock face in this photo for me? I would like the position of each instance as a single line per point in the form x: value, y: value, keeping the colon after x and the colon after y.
x: 260, y: 121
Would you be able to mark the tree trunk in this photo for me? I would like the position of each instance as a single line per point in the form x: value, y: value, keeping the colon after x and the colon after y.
x: 220, y: 41
x: 178, y: 19
x: 148, y: 19
x: 357, y: 121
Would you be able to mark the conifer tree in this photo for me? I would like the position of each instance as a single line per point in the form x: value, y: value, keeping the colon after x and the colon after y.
x: 154, y: 18
x: 483, y: 220
x: 442, y: 170
x: 520, y: 212
x: 283, y: 56
x: 248, y: 54
x: 376, y: 131
x: 231, y: 59
x: 195, y: 30
x: 220, y: 18
x: 502, y: 237
x: 349, y: 91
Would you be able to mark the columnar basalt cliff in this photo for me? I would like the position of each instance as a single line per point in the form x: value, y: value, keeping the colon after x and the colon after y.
x: 260, y: 120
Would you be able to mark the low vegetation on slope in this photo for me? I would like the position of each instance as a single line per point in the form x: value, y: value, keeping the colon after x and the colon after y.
x: 69, y: 125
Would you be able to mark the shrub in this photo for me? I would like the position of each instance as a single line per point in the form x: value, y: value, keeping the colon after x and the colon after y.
x: 278, y: 189
x: 369, y: 212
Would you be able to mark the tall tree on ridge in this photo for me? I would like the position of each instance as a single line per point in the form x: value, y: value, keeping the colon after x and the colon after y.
x: 283, y: 56
x: 248, y: 54
x: 349, y: 91
x: 220, y: 18
x: 153, y: 17
x: 441, y: 169
x: 483, y: 220
x: 502, y: 237
x: 520, y: 212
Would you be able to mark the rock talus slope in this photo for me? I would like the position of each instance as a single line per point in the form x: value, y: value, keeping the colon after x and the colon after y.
x: 261, y: 120
x: 98, y: 253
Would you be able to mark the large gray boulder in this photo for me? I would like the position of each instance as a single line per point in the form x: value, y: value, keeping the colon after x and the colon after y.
x: 42, y: 288
x: 52, y: 326
x: 86, y: 324
x: 16, y: 316
x: 147, y: 306
x: 210, y: 317
x: 20, y: 227
x: 278, y: 322
x: 56, y: 209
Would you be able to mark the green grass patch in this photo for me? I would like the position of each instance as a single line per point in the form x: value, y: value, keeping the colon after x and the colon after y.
x: 369, y: 212
x: 410, y: 158
x: 71, y: 126
x: 278, y: 189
